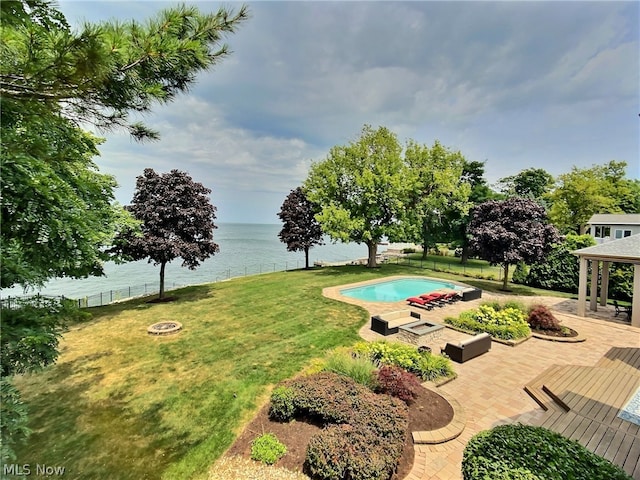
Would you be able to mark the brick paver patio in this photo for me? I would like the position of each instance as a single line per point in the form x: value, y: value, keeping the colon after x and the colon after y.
x: 490, y: 387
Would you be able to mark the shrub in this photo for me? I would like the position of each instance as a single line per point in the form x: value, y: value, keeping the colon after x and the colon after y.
x: 267, y: 449
x: 282, y: 407
x: 360, y: 369
x: 541, y: 318
x: 423, y: 364
x: 507, y: 323
x: 520, y: 273
x: 398, y: 383
x: 365, y: 432
x: 525, y: 452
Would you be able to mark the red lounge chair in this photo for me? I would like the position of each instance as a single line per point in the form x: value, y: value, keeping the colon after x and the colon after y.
x: 419, y: 302
x: 433, y: 298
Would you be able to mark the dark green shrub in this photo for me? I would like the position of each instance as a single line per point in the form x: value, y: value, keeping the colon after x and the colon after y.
x: 267, y: 449
x: 282, y: 407
x: 561, y: 268
x: 398, y: 383
x: 520, y: 273
x: 523, y: 452
x: 541, y: 318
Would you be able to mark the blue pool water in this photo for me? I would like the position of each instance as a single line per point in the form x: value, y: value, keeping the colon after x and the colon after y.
x: 396, y: 290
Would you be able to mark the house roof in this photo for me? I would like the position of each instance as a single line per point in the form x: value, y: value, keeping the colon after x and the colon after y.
x: 614, y: 219
x: 623, y: 250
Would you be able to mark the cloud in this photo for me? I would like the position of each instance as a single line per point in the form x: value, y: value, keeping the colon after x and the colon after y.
x: 520, y: 84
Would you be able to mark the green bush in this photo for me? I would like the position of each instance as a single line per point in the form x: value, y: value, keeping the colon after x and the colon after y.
x: 507, y: 323
x: 423, y: 364
x: 520, y: 273
x: 365, y: 432
x: 517, y: 451
x: 282, y: 407
x: 360, y: 369
x: 267, y: 449
x: 560, y: 269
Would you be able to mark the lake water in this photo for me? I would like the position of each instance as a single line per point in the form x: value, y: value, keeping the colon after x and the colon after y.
x: 245, y: 249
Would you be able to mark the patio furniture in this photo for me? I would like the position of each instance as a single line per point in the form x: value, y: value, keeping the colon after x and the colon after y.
x: 420, y: 302
x: 389, y: 323
x: 469, y: 348
x: 622, y: 309
x: 471, y: 294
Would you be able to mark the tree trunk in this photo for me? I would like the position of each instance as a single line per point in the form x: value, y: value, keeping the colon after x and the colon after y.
x: 306, y: 258
x: 582, y: 228
x: 373, y: 250
x: 505, y: 280
x: 162, y: 265
x: 425, y: 240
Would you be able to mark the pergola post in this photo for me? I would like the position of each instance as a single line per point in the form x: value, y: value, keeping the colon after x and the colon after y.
x: 582, y: 287
x: 635, y: 312
x: 604, y: 284
x: 593, y: 301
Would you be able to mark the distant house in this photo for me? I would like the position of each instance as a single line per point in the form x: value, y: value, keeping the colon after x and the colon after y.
x: 613, y: 226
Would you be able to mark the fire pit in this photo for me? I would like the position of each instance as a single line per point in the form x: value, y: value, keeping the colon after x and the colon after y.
x: 164, y: 328
x: 420, y: 332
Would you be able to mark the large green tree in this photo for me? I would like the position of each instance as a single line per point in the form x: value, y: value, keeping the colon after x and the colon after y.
x: 458, y: 220
x: 534, y: 183
x: 57, y: 211
x: 584, y: 192
x: 361, y: 189
x: 436, y: 194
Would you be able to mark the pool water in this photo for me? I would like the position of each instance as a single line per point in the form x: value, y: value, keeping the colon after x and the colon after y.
x: 396, y: 290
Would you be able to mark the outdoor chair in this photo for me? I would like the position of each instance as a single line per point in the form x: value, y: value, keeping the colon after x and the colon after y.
x: 622, y: 309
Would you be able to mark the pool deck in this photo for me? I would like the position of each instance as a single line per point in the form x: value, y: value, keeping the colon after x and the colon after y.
x: 490, y: 388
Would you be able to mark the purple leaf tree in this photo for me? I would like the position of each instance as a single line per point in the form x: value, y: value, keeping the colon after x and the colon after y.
x: 176, y: 218
x: 300, y: 230
x: 506, y: 232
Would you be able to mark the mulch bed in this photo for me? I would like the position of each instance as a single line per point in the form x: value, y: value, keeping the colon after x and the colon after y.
x: 428, y: 412
x: 556, y: 333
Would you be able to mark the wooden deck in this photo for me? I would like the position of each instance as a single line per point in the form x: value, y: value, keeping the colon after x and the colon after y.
x: 582, y: 403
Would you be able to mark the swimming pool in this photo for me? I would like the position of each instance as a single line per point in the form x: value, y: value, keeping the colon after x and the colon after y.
x: 396, y: 290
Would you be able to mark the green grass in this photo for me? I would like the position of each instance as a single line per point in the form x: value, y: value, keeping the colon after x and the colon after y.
x: 121, y: 404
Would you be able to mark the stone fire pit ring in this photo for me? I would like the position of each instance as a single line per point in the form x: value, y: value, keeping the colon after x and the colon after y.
x: 164, y: 328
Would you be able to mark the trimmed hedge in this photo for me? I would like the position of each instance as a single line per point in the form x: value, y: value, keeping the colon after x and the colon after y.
x: 507, y: 324
x: 422, y: 364
x: 365, y: 432
x: 522, y: 452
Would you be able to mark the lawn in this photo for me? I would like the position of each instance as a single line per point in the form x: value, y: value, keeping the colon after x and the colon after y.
x: 121, y: 404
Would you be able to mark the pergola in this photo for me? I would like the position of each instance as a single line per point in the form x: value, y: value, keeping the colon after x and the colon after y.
x: 624, y: 250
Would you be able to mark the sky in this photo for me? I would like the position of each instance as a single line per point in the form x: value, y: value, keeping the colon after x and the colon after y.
x: 516, y: 85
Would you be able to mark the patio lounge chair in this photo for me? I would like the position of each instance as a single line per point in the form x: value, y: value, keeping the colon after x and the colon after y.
x: 434, y: 298
x: 420, y: 302
x: 622, y: 309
